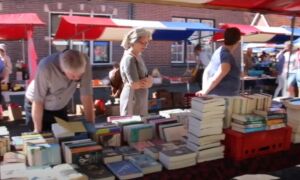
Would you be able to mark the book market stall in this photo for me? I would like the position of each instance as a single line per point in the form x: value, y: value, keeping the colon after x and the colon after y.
x: 261, y: 72
x: 15, y: 27
x: 214, y: 138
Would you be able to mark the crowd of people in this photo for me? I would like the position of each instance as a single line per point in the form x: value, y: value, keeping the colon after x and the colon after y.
x: 59, y: 75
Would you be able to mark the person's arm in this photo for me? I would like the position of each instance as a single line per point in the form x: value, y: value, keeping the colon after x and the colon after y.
x: 132, y: 76
x: 41, y: 90
x: 205, y: 76
x: 86, y: 93
x: 215, y: 80
x: 8, y: 64
x: 5, y: 76
x: 88, y: 106
x: 147, y: 82
x: 37, y: 115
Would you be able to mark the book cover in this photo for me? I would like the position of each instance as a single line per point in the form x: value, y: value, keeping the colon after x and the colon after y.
x: 125, y: 169
x: 127, y: 151
x: 86, y: 155
x: 162, y: 126
x: 139, y: 132
x: 248, y: 117
x: 109, y: 154
x: 177, y: 154
x: 141, y: 145
x: 248, y: 130
x: 109, y: 139
x: 146, y: 163
x: 173, y: 133
x: 14, y: 157
x: 96, y: 171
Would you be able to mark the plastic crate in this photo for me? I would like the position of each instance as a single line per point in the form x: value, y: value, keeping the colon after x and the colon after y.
x: 241, y: 146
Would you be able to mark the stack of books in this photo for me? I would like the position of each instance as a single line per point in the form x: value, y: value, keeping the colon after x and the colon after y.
x: 137, y: 132
x: 4, y: 140
x: 275, y: 117
x: 171, y: 131
x: 293, y: 114
x: 107, y: 134
x: 154, y: 150
x: 43, y: 154
x: 36, y: 138
x: 248, y: 123
x: 82, y: 152
x: 177, y: 158
x: 64, y: 130
x: 181, y: 115
x: 159, y: 121
x: 205, y: 131
x: 245, y: 104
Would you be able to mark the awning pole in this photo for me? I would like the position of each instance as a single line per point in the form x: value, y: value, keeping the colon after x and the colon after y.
x: 292, y: 45
x: 242, y: 66
x: 23, y: 50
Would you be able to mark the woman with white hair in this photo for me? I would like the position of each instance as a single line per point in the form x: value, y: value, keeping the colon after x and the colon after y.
x: 134, y: 73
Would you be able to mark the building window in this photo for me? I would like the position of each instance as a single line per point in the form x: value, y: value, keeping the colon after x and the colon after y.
x: 99, y: 52
x: 183, y: 51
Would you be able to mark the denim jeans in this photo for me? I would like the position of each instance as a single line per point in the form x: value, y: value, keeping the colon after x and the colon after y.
x: 48, y: 116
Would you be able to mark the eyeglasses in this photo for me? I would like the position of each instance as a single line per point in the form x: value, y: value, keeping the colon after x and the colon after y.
x: 144, y: 43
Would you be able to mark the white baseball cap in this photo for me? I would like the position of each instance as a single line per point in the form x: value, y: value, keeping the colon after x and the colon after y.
x: 3, y: 47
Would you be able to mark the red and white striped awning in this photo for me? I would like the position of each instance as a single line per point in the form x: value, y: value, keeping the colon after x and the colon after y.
x: 258, y: 34
x: 95, y: 28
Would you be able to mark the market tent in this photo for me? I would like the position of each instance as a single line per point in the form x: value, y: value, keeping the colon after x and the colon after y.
x: 20, y: 27
x: 259, y: 34
x: 16, y: 26
x: 89, y: 28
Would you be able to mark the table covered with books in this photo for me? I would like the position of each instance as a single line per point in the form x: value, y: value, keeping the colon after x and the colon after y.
x: 176, y: 143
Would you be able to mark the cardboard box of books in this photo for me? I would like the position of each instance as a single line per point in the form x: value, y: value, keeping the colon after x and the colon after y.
x: 14, y: 112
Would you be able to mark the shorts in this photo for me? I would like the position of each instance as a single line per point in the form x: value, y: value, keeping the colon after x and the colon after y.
x: 294, y: 79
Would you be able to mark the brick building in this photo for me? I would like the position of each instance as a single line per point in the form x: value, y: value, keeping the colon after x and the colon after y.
x: 159, y: 53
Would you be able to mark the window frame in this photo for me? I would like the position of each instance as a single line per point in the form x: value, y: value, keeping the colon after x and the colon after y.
x: 83, y: 46
x: 185, y: 50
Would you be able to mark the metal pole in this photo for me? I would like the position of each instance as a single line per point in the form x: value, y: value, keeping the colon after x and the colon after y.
x: 242, y: 66
x: 23, y: 50
x: 291, y: 51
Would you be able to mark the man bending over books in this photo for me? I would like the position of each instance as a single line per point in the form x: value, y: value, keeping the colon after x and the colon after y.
x: 222, y: 75
x: 57, y: 78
